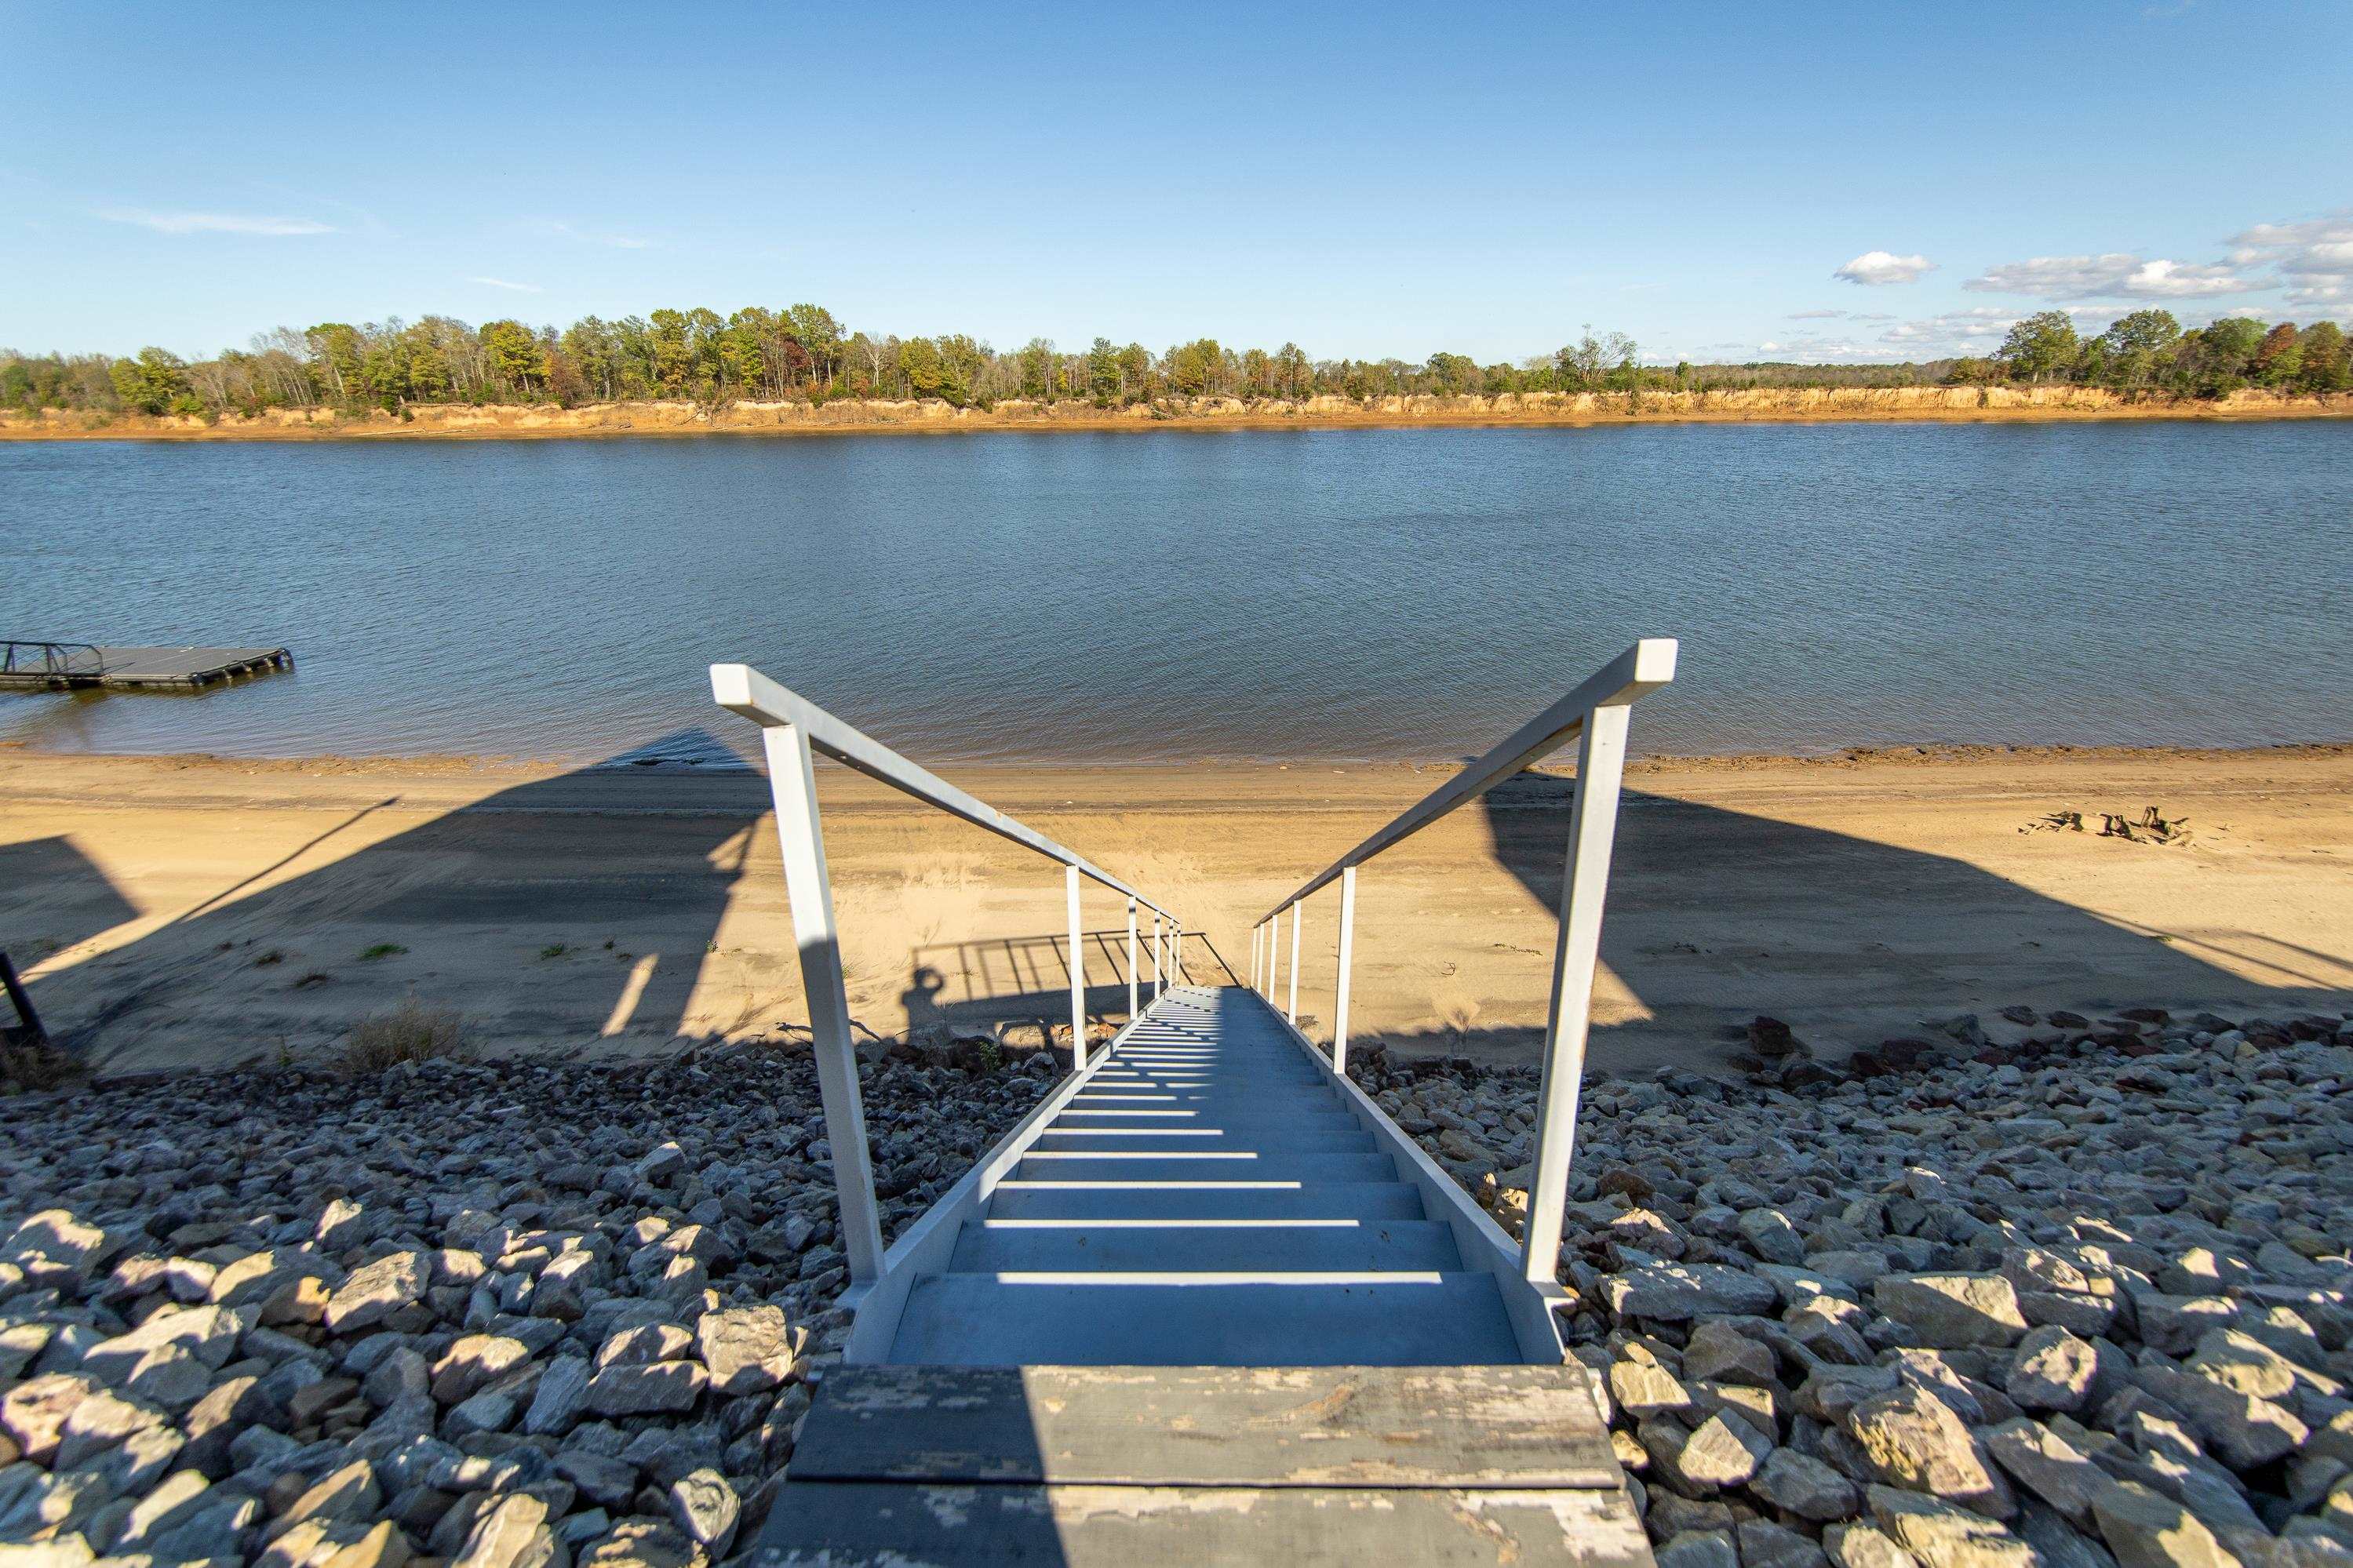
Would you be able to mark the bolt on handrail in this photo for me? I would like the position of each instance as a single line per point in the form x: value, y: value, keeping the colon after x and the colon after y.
x: 792, y: 729
x: 1595, y: 714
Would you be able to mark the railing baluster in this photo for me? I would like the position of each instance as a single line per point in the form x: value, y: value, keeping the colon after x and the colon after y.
x: 793, y: 781
x: 1593, y: 827
x: 1077, y: 974
x: 1131, y: 975
x: 1340, y: 997
x: 1292, y: 1014
x: 1156, y: 987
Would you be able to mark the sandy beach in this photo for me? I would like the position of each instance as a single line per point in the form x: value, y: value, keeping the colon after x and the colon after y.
x: 194, y: 911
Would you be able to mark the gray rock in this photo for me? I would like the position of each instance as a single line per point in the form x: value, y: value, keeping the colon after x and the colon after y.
x: 2146, y: 1531
x: 2053, y: 1370
x: 1724, y: 1451
x: 511, y: 1533
x: 1699, y: 1548
x: 1800, y: 1484
x: 1943, y: 1536
x: 1952, y: 1311
x: 372, y: 1293
x: 747, y: 1350
x: 706, y: 1507
x: 1718, y: 1352
x: 472, y: 1364
x: 559, y: 1399
x: 661, y: 1388
x: 2048, y: 1466
x: 1864, y: 1546
x: 1914, y: 1440
x: 1676, y: 1292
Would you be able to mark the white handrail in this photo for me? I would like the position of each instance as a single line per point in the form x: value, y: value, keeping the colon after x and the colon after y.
x: 1595, y: 714
x: 792, y: 729
x: 740, y: 689
x: 1640, y: 670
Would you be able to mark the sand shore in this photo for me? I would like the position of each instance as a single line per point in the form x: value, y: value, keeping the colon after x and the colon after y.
x: 1419, y: 411
x: 201, y: 911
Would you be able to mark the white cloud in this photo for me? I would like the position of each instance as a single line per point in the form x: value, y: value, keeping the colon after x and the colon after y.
x: 2115, y: 274
x: 2314, y: 257
x: 213, y: 223
x: 1873, y: 268
x: 1814, y: 315
x: 503, y: 283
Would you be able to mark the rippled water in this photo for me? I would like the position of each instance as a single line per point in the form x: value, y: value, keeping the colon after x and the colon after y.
x: 1183, y: 595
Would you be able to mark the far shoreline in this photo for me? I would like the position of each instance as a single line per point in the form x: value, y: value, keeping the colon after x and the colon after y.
x: 1509, y: 411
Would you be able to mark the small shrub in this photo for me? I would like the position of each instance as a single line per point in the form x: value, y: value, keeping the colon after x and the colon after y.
x: 267, y: 959
x: 381, y: 950
x: 316, y: 977
x: 411, y: 1032
x: 553, y: 950
x: 29, y: 1065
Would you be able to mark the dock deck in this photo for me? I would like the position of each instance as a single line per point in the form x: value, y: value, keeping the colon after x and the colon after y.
x: 65, y: 667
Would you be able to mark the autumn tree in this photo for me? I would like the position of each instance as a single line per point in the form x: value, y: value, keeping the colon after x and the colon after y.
x: 2041, y: 346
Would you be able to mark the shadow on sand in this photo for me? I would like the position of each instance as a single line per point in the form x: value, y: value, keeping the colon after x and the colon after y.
x: 1762, y: 935
x: 491, y: 908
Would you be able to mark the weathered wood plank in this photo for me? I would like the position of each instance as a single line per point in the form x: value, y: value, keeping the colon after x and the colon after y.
x: 1252, y: 1426
x: 837, y: 1524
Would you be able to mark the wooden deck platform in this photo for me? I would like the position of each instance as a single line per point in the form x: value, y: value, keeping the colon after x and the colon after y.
x: 182, y: 669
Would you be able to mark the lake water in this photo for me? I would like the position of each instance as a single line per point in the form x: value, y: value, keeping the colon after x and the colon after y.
x: 1185, y: 594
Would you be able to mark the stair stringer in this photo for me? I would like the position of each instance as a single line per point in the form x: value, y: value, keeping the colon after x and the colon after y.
x: 1528, y: 1303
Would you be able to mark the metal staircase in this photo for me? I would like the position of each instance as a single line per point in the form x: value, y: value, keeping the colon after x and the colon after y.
x: 1206, y: 1200
x: 1208, y: 1303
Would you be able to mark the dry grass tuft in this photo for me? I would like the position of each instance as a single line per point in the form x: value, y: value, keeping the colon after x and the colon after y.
x: 29, y: 1065
x: 411, y: 1032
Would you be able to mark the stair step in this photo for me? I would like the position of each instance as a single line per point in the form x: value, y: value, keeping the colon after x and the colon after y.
x: 868, y: 1524
x: 1205, y: 1166
x: 1137, y: 1245
x: 1176, y: 1118
x: 1309, y: 1320
x: 1190, y: 1426
x: 1308, y: 1140
x: 1277, y: 1199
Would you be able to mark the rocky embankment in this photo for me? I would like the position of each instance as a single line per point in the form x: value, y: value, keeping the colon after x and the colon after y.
x: 2074, y: 1292
x: 506, y: 1316
x: 2036, y: 1291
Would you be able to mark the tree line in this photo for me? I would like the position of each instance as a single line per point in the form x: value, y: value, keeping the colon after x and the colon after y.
x: 2148, y: 350
x: 803, y: 352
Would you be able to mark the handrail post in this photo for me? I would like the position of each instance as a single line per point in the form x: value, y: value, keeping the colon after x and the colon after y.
x: 793, y: 781
x: 1593, y: 827
x: 1340, y: 1000
x: 1157, y: 985
x: 1077, y: 974
x: 1132, y: 976
x: 1255, y: 932
x: 1292, y: 1014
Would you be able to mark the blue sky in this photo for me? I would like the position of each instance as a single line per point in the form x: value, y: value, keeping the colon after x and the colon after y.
x: 1364, y: 179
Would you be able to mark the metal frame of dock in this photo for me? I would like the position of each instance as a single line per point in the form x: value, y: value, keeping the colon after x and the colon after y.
x: 36, y: 666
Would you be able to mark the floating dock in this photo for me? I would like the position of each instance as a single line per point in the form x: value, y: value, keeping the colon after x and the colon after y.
x: 65, y: 666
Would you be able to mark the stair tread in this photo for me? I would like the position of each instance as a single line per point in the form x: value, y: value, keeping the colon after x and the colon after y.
x: 1408, y: 1319
x: 1331, y: 1427
x: 1291, y: 1245
x: 866, y: 1524
x: 1207, y: 1198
